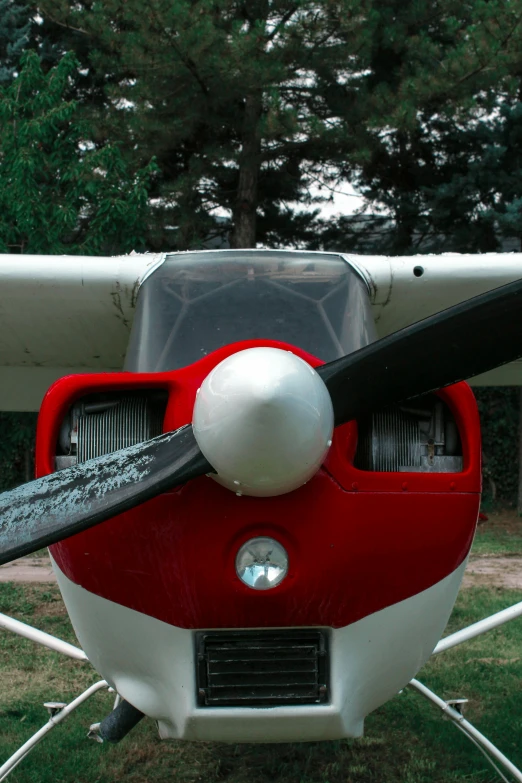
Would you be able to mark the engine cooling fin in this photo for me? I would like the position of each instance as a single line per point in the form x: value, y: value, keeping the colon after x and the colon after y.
x: 389, y: 441
x: 419, y: 437
x: 129, y: 421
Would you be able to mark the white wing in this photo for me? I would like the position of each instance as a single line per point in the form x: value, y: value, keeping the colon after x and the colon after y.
x: 409, y: 288
x: 67, y: 314
x: 61, y: 315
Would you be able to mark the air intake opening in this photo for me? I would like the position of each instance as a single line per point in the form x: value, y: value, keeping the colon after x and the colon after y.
x: 419, y: 436
x: 105, y: 422
x: 262, y: 668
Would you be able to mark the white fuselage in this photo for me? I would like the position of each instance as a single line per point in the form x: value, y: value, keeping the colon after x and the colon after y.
x: 151, y: 664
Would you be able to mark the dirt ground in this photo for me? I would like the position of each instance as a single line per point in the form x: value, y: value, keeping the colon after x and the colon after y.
x: 28, y: 569
x: 489, y: 571
x: 492, y: 571
x: 502, y: 570
x: 497, y: 570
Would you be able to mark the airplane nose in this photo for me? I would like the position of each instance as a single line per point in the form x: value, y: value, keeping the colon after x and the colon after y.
x: 263, y: 418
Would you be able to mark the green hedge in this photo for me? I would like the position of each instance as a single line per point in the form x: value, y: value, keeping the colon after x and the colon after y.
x: 499, y: 417
x: 17, y: 438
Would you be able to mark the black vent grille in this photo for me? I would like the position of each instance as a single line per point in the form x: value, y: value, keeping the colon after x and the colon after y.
x: 262, y: 668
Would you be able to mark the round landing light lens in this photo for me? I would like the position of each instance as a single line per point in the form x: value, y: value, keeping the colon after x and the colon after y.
x: 262, y: 563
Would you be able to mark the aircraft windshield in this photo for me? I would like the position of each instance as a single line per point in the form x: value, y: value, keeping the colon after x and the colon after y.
x: 195, y: 303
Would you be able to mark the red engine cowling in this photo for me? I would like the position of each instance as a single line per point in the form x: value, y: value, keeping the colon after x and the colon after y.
x: 358, y: 540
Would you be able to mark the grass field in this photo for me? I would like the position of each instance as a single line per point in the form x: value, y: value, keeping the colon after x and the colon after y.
x: 501, y: 534
x: 406, y: 741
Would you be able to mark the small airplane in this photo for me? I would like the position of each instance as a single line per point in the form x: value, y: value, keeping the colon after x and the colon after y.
x: 258, y: 474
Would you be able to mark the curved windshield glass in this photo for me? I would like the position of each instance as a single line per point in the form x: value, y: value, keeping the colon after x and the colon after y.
x: 195, y: 303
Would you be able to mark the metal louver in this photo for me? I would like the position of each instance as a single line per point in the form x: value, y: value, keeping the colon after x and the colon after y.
x: 391, y: 440
x: 124, y: 423
x: 262, y: 668
x: 420, y: 436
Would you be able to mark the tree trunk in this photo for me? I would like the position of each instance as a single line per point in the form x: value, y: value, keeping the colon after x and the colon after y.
x: 244, y: 234
x: 405, y: 211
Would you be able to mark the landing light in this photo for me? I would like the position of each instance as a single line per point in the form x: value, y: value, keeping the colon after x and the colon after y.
x: 262, y: 563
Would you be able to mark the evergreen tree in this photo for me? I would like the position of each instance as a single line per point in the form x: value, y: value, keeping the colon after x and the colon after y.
x: 445, y: 186
x: 15, y: 30
x: 201, y: 84
x: 477, y: 204
x: 448, y: 177
x: 248, y: 104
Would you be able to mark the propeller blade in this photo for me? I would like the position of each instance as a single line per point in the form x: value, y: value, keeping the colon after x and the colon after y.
x: 74, y: 499
x: 465, y: 340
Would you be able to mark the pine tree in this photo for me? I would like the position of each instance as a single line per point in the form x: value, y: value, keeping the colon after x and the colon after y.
x: 219, y: 92
x: 448, y: 177
x: 446, y: 186
x: 247, y: 105
x: 477, y: 205
x: 16, y: 23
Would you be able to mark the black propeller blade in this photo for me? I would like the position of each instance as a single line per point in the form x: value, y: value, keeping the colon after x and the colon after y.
x: 465, y: 340
x: 58, y: 506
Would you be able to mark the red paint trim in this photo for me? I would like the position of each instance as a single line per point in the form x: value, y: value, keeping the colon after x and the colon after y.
x: 461, y: 401
x: 358, y: 541
x: 351, y: 554
x: 181, y: 384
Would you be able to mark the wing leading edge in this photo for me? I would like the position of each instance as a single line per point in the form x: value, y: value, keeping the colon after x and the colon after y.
x: 61, y: 315
x: 409, y: 288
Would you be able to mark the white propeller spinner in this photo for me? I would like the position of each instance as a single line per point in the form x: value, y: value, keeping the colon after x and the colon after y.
x: 264, y: 420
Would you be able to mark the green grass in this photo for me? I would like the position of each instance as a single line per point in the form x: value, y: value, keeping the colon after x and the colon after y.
x: 406, y: 741
x: 501, y: 534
